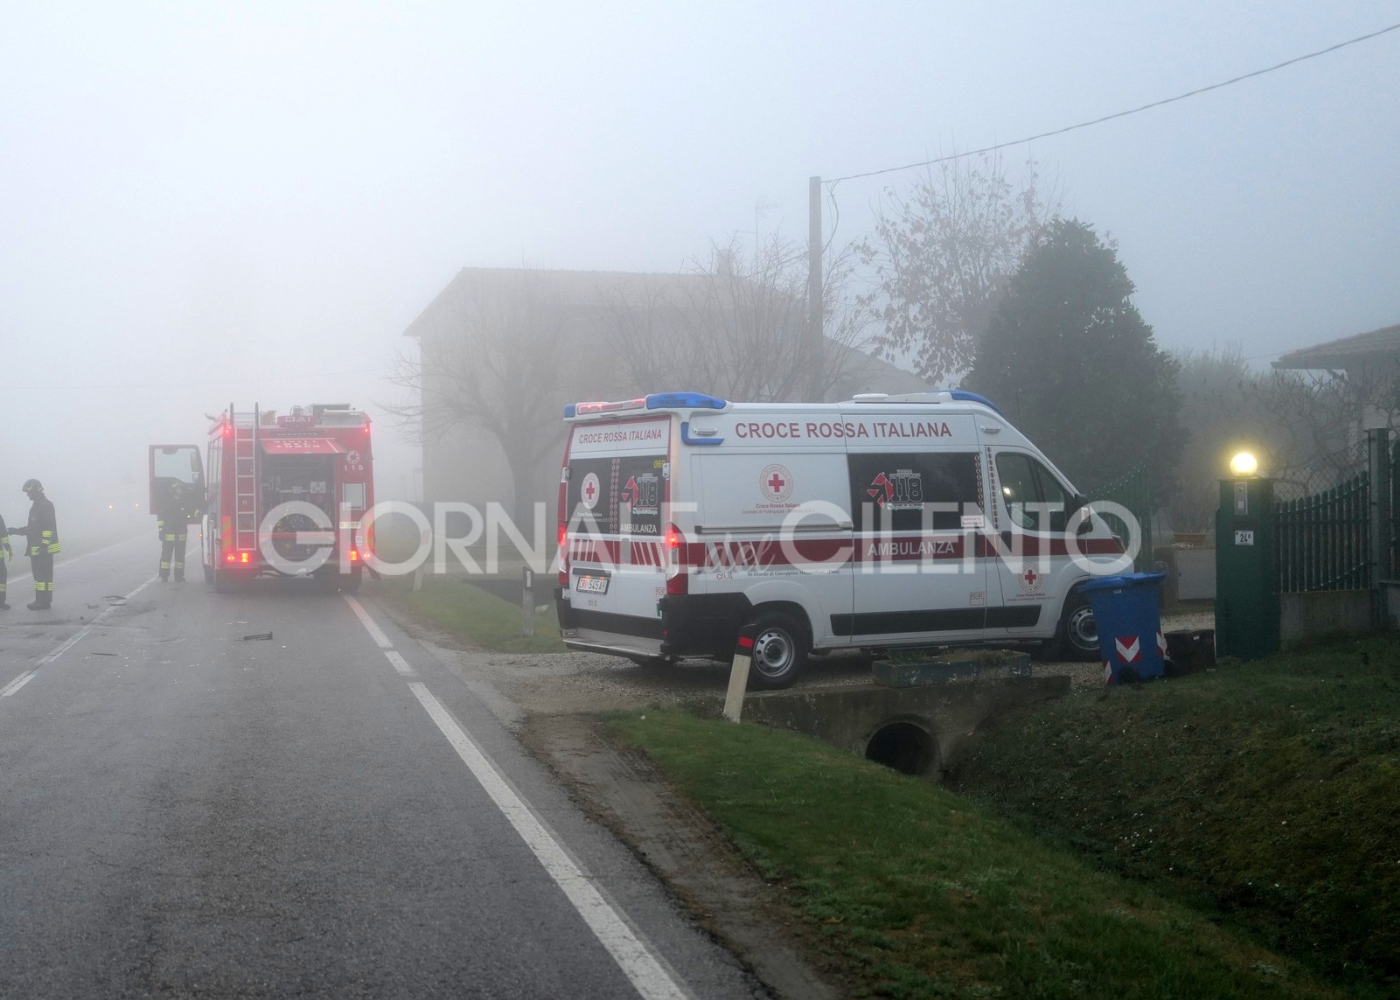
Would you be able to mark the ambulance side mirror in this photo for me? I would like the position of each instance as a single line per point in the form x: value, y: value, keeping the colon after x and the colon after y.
x: 1077, y: 504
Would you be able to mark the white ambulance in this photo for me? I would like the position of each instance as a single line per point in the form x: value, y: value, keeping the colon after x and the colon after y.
x: 880, y: 522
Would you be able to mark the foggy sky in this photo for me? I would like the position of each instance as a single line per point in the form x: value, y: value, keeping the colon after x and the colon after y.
x: 207, y: 203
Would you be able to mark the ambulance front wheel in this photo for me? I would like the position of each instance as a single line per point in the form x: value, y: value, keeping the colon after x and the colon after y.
x: 780, y: 650
x: 1077, y: 638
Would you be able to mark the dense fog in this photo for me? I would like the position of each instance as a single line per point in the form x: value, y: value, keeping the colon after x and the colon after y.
x: 205, y: 204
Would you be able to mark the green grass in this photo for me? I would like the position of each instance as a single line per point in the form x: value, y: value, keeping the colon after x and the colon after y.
x: 920, y: 893
x: 1267, y: 793
x: 476, y: 617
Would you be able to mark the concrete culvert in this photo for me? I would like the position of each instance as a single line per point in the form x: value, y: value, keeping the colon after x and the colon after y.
x: 904, y: 747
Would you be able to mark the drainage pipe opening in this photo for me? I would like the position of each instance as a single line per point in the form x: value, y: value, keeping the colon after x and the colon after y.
x: 904, y: 747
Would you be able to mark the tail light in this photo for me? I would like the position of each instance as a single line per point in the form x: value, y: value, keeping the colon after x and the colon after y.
x: 354, y: 555
x: 678, y: 575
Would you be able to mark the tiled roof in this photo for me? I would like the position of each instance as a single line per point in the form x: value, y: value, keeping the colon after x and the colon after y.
x: 1349, y: 352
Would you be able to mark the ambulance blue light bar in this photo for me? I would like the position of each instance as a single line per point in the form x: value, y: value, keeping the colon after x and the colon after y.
x: 972, y: 397
x: 685, y: 400
x: 656, y: 401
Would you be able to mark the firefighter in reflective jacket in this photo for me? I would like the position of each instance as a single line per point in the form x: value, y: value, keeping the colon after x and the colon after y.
x: 5, y: 553
x: 173, y: 518
x: 41, y: 537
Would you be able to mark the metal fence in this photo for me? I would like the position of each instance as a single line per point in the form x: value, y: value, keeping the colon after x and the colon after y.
x: 1323, y: 541
x: 1133, y: 491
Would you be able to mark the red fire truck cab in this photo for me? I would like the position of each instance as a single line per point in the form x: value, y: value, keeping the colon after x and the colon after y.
x: 285, y: 488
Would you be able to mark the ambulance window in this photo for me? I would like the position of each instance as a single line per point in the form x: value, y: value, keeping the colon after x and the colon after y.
x: 912, y: 491
x: 1024, y: 481
x: 622, y: 495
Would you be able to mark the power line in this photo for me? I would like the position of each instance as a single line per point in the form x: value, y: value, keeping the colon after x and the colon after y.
x: 1119, y: 114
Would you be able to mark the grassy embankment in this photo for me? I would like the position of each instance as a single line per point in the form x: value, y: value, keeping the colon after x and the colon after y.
x: 477, y: 618
x: 1266, y: 794
x: 913, y: 891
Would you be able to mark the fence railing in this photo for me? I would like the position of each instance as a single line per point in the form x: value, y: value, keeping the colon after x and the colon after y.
x: 1322, y: 541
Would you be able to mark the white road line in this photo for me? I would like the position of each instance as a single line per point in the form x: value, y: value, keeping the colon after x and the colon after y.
x: 400, y: 664
x: 18, y: 682
x: 68, y: 562
x: 67, y: 644
x: 652, y: 980
x: 638, y: 963
x: 375, y: 632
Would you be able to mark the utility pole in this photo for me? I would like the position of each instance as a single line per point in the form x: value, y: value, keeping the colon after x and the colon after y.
x: 815, y: 339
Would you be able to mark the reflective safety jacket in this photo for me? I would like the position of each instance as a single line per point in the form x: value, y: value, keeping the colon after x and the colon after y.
x: 42, y: 530
x: 5, y: 551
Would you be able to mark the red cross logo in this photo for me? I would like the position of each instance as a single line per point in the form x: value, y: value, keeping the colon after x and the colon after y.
x: 1031, y: 577
x: 776, y: 483
x: 590, y: 489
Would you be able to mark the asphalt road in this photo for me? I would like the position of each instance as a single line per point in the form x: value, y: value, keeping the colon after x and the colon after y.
x: 328, y: 813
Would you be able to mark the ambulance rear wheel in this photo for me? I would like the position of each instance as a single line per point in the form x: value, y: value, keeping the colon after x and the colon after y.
x: 780, y: 650
x: 1077, y: 637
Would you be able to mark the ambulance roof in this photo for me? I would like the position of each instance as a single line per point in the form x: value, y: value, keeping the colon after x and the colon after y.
x: 702, y: 401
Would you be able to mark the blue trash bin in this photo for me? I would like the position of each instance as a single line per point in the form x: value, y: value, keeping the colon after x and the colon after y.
x: 1129, y: 625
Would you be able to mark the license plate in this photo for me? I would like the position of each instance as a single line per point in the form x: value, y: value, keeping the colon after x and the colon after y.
x: 592, y: 585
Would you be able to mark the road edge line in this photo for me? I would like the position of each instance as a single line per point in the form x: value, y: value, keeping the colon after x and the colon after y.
x: 637, y: 961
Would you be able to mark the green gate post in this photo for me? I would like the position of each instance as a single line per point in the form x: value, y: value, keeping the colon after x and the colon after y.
x: 1246, y: 584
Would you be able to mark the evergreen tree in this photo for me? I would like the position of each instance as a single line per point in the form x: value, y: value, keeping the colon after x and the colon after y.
x: 1069, y: 359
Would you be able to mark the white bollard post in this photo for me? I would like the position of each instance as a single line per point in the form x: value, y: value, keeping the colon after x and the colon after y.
x: 739, y: 674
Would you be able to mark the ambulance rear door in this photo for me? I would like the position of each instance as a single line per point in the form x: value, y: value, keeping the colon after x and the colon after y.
x: 618, y: 485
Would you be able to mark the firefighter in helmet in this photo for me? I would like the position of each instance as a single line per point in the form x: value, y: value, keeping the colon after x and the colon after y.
x: 173, y: 515
x: 41, y: 537
x: 5, y: 553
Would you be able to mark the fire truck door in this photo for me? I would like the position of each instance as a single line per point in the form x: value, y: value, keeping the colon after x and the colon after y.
x: 172, y: 466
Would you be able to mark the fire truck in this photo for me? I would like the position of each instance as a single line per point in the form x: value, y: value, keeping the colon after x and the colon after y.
x: 286, y: 495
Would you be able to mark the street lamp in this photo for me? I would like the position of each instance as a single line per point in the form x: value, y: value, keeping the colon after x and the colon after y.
x: 1244, y: 464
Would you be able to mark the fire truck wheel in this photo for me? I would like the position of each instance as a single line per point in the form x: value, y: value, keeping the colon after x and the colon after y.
x: 779, y: 651
x: 208, y: 573
x: 350, y: 584
x: 223, y: 582
x: 1076, y: 638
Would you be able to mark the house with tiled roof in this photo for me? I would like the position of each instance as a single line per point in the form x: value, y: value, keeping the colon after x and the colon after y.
x: 465, y: 462
x: 1363, y: 350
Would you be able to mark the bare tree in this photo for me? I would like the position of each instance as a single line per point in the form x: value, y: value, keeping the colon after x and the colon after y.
x: 1307, y: 427
x: 734, y: 326
x: 942, y: 255
x: 1317, y: 421
x: 497, y: 362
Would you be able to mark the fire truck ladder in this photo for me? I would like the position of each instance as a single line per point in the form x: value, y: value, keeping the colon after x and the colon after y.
x: 245, y: 483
